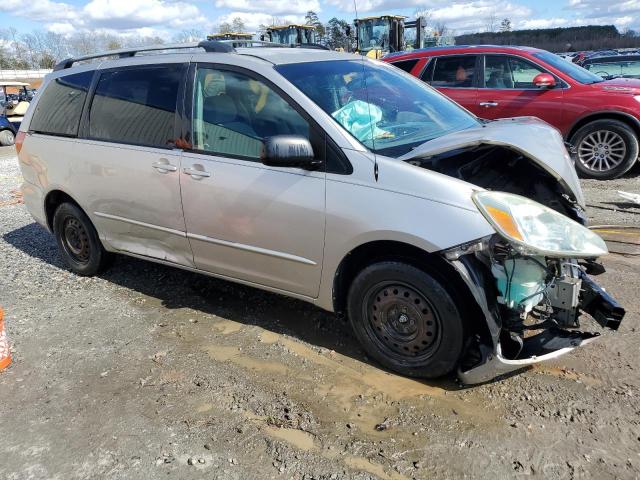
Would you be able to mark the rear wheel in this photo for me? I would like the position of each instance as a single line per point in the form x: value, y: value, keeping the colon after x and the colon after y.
x: 406, y: 319
x: 605, y: 149
x: 7, y: 138
x: 78, y: 240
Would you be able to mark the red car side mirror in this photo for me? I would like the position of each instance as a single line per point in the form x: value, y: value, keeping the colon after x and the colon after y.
x: 544, y: 80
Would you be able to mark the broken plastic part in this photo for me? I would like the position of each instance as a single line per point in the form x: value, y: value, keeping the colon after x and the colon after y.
x: 466, y: 248
x: 547, y: 345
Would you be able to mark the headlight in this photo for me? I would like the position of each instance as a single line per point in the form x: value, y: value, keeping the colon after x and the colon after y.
x: 536, y: 228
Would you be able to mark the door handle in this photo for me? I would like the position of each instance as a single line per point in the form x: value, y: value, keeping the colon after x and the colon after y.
x: 194, y: 172
x: 488, y: 104
x: 164, y: 167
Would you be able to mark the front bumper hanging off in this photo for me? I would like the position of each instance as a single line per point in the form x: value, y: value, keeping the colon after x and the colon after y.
x: 547, y: 345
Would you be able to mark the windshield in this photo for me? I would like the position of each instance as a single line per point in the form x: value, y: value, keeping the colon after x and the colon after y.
x: 576, y: 72
x: 373, y: 34
x: 309, y: 36
x: 287, y: 36
x: 386, y: 109
x: 611, y: 69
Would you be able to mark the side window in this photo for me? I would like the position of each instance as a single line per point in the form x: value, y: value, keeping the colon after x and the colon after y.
x: 233, y: 113
x: 406, y: 65
x: 136, y: 106
x: 427, y: 73
x: 502, y: 71
x: 454, y: 71
x: 59, y: 109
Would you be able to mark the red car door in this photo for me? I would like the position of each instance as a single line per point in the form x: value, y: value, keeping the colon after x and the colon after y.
x: 456, y: 76
x: 507, y: 90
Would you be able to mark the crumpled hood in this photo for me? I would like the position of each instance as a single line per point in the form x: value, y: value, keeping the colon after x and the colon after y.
x: 530, y: 136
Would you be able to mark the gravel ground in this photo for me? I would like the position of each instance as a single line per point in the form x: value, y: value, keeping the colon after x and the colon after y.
x: 606, y: 206
x: 151, y: 372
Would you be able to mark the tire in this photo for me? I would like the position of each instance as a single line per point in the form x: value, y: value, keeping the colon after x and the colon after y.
x: 78, y: 241
x: 406, y: 320
x: 605, y: 149
x: 7, y: 138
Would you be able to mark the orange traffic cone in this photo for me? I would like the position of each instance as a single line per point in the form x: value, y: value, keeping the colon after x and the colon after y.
x: 5, y: 354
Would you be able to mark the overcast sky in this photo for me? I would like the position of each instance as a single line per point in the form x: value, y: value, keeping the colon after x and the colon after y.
x: 166, y: 17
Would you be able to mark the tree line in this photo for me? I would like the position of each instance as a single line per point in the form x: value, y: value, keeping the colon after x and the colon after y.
x: 567, y: 39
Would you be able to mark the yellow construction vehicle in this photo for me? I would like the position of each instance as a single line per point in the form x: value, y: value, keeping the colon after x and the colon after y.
x: 293, y: 34
x: 244, y: 37
x: 378, y: 36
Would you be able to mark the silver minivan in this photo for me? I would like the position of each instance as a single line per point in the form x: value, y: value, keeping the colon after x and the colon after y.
x: 451, y: 243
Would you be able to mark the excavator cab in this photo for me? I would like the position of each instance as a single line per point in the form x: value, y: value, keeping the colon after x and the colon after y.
x: 377, y: 36
x: 243, y: 37
x: 292, y: 35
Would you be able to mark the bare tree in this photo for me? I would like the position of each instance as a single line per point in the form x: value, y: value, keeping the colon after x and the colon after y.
x: 191, y: 35
x: 426, y: 14
x: 492, y: 21
x: 238, y: 25
x: 83, y: 43
x: 17, y: 48
x: 225, y: 27
x: 441, y: 29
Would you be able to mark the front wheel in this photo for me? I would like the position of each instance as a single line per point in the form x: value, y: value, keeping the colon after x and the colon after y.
x: 605, y: 149
x: 7, y: 138
x: 406, y: 320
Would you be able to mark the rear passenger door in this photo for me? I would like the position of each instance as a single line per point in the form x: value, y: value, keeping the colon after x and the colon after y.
x: 455, y: 76
x: 126, y: 164
x: 245, y: 220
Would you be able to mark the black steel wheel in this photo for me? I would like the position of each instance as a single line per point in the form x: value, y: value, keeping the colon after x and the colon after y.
x: 75, y: 240
x: 78, y: 240
x: 406, y: 319
x: 401, y: 320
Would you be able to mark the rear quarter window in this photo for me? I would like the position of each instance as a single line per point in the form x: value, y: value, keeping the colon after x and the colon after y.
x: 406, y: 65
x: 59, y: 108
x: 136, y: 106
x: 454, y: 71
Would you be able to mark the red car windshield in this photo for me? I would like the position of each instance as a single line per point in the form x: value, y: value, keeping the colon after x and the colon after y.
x: 576, y: 72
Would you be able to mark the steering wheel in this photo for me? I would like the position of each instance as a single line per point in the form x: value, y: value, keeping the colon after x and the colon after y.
x: 606, y: 74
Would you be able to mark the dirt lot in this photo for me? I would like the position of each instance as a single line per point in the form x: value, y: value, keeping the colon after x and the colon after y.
x: 151, y: 372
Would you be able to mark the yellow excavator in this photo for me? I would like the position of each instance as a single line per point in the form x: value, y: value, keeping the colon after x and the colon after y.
x: 292, y: 34
x: 378, y: 36
x: 244, y: 37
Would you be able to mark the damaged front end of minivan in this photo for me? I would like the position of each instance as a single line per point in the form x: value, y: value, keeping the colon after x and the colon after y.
x: 530, y: 283
x: 530, y: 279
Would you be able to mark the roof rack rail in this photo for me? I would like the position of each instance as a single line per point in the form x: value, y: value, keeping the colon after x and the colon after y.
x: 251, y: 42
x: 207, y: 45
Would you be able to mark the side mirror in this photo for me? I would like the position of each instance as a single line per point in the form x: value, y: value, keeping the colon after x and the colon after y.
x: 347, y: 31
x: 544, y: 80
x: 289, y: 151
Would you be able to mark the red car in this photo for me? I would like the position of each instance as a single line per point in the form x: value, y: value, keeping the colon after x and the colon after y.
x: 600, y: 118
